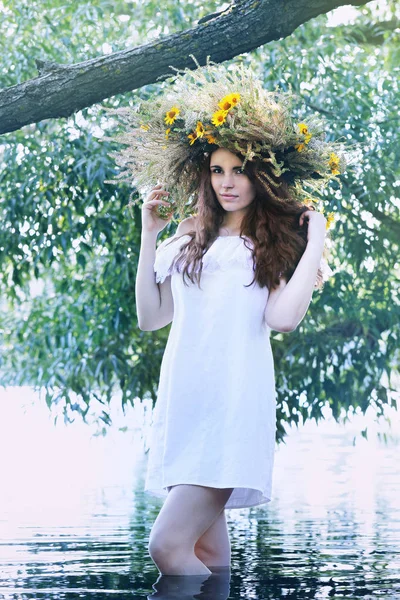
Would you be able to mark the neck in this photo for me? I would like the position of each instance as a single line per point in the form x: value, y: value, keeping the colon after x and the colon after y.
x: 233, y: 221
x: 232, y: 227
x: 229, y: 231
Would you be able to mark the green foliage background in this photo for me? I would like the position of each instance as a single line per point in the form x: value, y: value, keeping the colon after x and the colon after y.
x: 63, y: 227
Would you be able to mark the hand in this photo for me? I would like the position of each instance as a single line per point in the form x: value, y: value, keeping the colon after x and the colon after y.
x: 151, y: 221
x: 316, y: 226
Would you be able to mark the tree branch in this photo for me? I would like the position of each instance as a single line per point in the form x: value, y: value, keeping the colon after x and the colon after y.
x: 372, y: 33
x: 61, y: 90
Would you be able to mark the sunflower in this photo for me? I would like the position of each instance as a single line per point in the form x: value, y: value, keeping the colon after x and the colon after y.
x: 200, y: 131
x: 171, y: 115
x: 334, y: 163
x: 219, y: 117
x: 300, y: 147
x: 303, y: 128
x: 209, y: 135
x: 304, y: 131
x: 192, y: 137
x: 229, y: 101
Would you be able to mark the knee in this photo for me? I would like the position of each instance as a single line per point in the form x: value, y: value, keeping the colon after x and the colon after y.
x: 167, y: 558
x: 162, y: 547
x: 155, y: 548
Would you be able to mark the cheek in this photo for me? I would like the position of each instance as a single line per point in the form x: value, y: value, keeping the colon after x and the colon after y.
x: 249, y: 189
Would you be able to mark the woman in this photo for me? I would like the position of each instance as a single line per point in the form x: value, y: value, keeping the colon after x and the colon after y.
x: 246, y: 261
x: 190, y: 534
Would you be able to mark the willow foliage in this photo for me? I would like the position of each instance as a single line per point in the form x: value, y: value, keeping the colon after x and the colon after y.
x: 69, y: 246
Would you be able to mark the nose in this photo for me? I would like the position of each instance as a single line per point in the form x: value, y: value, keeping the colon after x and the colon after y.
x: 227, y: 181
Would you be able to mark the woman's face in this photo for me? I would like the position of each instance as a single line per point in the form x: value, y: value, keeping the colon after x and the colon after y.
x: 233, y: 188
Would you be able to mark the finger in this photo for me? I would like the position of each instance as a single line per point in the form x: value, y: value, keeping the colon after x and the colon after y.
x: 159, y: 192
x: 155, y: 202
x: 152, y: 197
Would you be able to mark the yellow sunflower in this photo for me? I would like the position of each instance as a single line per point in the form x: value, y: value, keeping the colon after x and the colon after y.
x: 303, y: 128
x: 304, y: 131
x: 333, y: 163
x: 229, y: 101
x: 209, y: 135
x: 300, y: 147
x: 200, y: 131
x: 192, y: 137
x: 171, y: 115
x: 219, y: 117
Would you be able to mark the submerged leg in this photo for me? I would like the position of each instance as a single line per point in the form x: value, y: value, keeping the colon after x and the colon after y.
x: 187, y: 513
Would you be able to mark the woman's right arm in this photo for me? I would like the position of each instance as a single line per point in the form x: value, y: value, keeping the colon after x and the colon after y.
x: 146, y: 289
x: 148, y: 299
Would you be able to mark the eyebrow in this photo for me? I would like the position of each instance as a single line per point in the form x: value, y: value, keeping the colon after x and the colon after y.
x: 237, y: 166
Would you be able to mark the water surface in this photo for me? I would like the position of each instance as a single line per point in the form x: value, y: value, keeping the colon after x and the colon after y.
x: 75, y: 522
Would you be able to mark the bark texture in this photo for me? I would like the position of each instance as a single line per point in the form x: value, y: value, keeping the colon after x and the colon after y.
x: 61, y: 90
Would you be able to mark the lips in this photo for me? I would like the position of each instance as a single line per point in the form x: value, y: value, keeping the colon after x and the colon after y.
x: 228, y: 196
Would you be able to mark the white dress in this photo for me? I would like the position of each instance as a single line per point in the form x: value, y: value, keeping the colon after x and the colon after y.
x: 214, y: 422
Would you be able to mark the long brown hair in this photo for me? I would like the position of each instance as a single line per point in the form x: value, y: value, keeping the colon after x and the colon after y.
x: 272, y: 225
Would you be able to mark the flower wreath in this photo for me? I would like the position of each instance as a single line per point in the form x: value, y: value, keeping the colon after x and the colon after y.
x: 166, y: 138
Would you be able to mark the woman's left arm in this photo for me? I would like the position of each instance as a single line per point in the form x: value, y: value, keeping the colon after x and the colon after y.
x: 287, y: 307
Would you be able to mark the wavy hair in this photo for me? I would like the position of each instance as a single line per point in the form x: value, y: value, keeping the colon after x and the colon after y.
x: 272, y: 225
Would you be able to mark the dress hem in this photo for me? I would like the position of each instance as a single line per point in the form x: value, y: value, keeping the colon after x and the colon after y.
x: 266, y: 499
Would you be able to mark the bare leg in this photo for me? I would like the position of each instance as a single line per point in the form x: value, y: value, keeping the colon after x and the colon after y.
x: 185, y: 516
x: 213, y: 548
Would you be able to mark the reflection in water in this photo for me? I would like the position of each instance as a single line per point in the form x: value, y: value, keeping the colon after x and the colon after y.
x: 75, y: 522
x: 204, y: 587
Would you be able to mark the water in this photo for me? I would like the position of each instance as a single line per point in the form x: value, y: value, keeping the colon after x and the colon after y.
x: 75, y: 522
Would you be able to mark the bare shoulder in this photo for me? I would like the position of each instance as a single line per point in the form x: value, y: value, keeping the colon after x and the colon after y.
x: 186, y: 226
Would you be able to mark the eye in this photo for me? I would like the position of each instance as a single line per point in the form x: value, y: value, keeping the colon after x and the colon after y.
x: 218, y: 170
